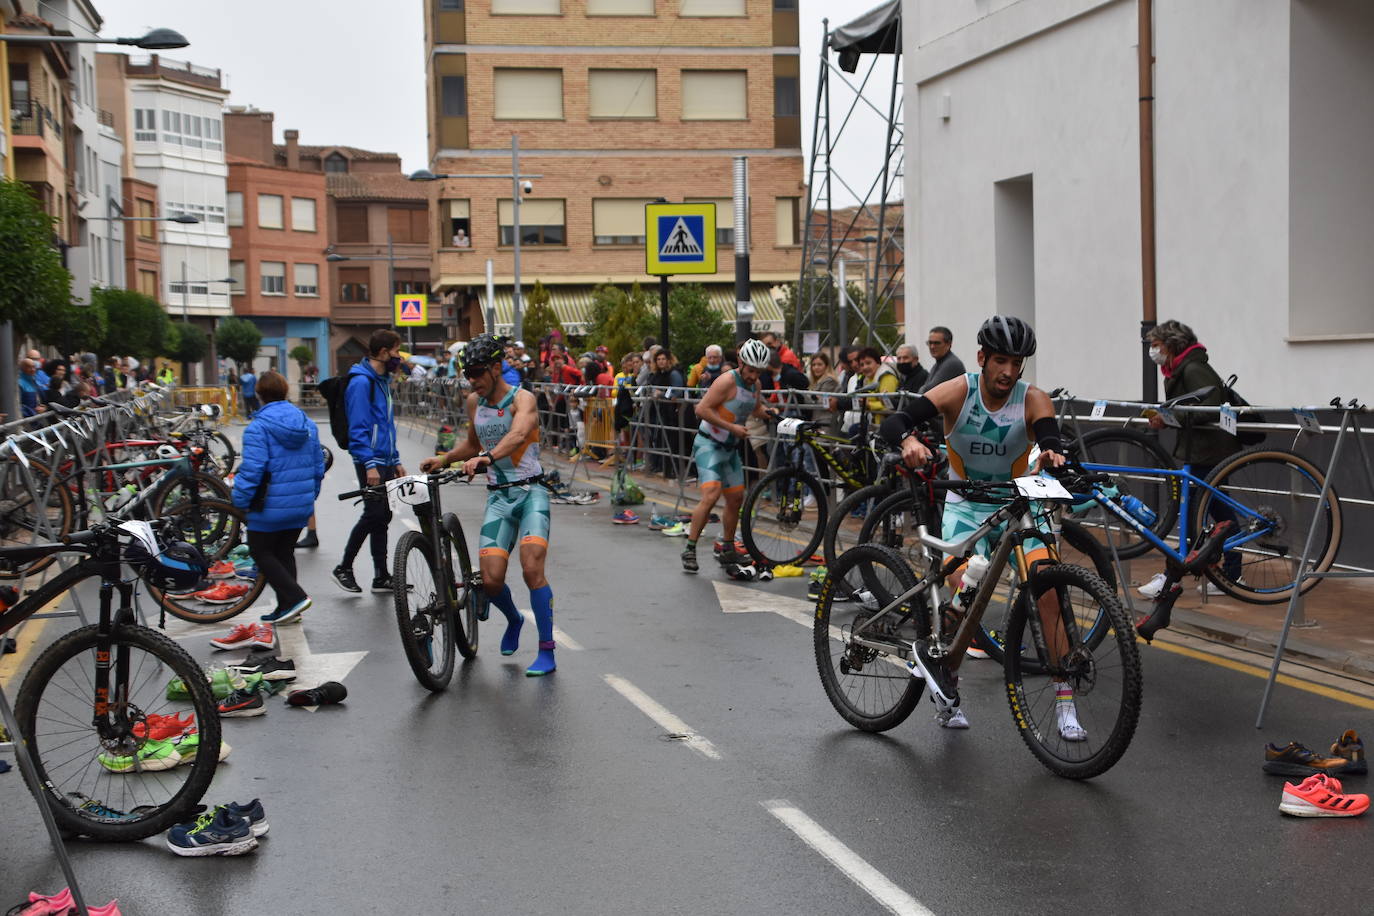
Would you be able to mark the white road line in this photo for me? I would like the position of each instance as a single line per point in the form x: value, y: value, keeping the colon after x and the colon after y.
x: 869, y: 879
x: 563, y: 639
x: 665, y: 719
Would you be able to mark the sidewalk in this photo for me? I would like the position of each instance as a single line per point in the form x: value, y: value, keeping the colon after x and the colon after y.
x: 1341, y: 611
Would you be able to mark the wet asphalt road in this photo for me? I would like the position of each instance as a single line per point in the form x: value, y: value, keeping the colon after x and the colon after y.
x: 560, y: 795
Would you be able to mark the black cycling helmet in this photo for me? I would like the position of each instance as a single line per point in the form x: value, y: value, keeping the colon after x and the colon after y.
x: 483, y: 350
x: 176, y: 565
x: 1007, y: 334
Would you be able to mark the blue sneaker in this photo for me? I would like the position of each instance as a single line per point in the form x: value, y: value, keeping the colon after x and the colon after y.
x: 246, y: 573
x: 286, y: 615
x: 215, y: 833
x: 253, y: 812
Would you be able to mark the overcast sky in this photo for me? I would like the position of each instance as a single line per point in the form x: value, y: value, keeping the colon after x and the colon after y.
x: 352, y: 72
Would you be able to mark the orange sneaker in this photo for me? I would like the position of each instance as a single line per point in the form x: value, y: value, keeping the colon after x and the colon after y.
x: 1320, y: 796
x: 223, y: 593
x: 240, y: 636
x: 222, y: 570
x: 160, y: 728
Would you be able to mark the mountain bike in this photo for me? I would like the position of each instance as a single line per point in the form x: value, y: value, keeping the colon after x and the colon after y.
x: 438, y: 593
x: 198, y: 425
x: 865, y: 647
x: 83, y: 708
x: 784, y: 514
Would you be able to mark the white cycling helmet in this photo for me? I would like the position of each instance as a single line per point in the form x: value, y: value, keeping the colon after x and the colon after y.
x: 754, y: 353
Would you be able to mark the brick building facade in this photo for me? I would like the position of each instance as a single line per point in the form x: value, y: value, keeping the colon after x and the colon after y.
x: 616, y: 103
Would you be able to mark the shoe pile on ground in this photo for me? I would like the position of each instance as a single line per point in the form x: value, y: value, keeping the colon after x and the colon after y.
x: 169, y: 742
x: 224, y: 830
x: 1320, y: 794
x: 59, y: 904
x: 625, y: 517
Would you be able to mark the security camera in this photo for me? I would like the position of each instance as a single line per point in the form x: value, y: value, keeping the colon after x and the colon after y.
x: 527, y: 187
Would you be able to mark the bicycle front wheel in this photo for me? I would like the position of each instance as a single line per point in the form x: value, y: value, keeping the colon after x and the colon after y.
x: 1083, y: 733
x: 124, y: 785
x: 1281, y: 492
x: 424, y: 612
x: 860, y: 659
x: 783, y: 517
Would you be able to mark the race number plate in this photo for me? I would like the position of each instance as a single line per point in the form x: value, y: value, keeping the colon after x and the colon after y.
x: 787, y: 429
x: 409, y: 491
x: 1046, y: 488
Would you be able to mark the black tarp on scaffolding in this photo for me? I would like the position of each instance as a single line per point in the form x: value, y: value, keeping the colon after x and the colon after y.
x: 879, y: 31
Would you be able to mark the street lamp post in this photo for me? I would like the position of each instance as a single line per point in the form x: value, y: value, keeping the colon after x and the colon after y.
x: 517, y: 317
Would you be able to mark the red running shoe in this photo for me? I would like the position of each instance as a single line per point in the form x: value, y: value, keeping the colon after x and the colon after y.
x: 1320, y: 796
x: 265, y: 638
x: 237, y: 638
x: 223, y: 593
x: 222, y: 570
x: 161, y: 728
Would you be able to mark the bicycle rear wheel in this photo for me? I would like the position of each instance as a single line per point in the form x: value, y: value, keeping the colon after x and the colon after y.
x: 842, y: 531
x: 35, y: 507
x: 424, y: 612
x: 1131, y: 449
x: 1105, y: 681
x: 122, y: 787
x: 468, y: 598
x: 868, y: 682
x: 221, y: 454
x: 178, y: 492
x: 783, y: 517
x: 1282, y: 490
x: 215, y: 528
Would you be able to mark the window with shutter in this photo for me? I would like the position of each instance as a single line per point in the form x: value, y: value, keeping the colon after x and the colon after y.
x: 352, y: 223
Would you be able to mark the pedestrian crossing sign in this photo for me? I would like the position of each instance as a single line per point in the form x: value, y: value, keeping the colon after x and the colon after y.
x: 411, y: 310
x: 680, y: 239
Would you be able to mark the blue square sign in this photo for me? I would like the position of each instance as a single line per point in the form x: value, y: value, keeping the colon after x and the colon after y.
x: 682, y: 239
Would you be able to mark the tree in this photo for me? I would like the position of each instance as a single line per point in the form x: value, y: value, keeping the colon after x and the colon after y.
x: 186, y: 344
x: 620, y: 320
x: 239, y: 339
x: 694, y: 324
x: 302, y: 355
x: 34, y: 286
x: 540, y: 318
x: 141, y: 324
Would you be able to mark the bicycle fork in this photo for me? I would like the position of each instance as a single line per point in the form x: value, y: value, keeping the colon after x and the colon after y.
x: 114, y: 732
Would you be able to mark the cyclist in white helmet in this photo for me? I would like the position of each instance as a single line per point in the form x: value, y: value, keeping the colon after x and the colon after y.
x: 731, y: 399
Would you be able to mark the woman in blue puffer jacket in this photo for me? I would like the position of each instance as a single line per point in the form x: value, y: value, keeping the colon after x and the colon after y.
x: 278, y: 482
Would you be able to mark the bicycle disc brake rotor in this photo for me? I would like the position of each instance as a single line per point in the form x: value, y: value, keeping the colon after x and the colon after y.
x: 1081, y: 669
x: 1276, y: 524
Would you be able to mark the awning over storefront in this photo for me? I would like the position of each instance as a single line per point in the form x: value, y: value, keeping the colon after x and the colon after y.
x: 573, y: 305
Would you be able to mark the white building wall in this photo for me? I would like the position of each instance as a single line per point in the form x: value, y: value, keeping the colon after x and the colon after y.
x: 1265, y: 209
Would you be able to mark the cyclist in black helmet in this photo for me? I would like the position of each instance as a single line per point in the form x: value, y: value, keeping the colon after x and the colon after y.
x: 991, y: 418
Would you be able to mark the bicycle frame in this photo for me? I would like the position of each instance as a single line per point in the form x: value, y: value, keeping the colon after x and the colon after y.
x: 1255, y: 526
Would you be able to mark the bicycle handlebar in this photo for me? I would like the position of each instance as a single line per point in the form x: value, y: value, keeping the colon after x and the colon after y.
x: 378, y: 491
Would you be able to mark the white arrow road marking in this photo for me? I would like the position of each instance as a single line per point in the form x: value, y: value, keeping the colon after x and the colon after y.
x: 736, y: 599
x: 665, y: 719
x: 869, y: 879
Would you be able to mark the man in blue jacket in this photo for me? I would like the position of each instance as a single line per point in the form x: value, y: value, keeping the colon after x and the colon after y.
x: 278, y: 482
x: 372, y: 443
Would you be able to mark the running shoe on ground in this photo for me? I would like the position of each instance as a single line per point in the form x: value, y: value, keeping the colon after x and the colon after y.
x: 188, y: 745
x: 1152, y: 588
x: 246, y: 573
x: 1297, y: 760
x: 253, y: 812
x: 689, y: 560
x: 266, y: 638
x: 625, y: 517
x: 277, y: 669
x: 224, y: 569
x: 1212, y: 590
x: 677, y: 531
x: 223, y: 593
x: 1320, y: 796
x: 344, y: 579
x: 382, y: 584
x: 1351, y: 748
x: 239, y: 552
x: 152, y: 757
x: 215, y: 833
x: 61, y: 903
x: 286, y: 615
x: 328, y: 692
x: 659, y: 522
x: 976, y: 652
x: 160, y: 728
x: 222, y: 683
x: 239, y: 637
x: 242, y: 704
x: 731, y: 553
x: 813, y: 589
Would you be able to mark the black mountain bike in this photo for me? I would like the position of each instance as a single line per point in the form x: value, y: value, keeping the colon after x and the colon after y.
x: 83, y: 709
x: 438, y: 594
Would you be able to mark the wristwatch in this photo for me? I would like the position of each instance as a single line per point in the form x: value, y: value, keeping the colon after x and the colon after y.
x: 487, y: 455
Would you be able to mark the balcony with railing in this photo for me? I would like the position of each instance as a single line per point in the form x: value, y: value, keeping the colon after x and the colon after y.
x: 180, y: 70
x: 29, y: 117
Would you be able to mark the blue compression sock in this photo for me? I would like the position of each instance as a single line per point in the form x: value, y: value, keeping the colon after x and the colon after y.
x: 506, y: 602
x: 541, y: 600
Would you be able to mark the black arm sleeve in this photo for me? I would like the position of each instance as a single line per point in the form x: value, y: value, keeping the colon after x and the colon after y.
x: 1046, y: 430
x: 915, y: 413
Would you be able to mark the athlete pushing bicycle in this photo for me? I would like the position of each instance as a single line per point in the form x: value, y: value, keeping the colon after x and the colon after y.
x: 503, y: 438
x: 990, y: 419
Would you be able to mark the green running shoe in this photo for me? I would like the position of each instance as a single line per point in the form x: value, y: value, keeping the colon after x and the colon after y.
x: 188, y: 745
x: 677, y: 531
x: 153, y: 756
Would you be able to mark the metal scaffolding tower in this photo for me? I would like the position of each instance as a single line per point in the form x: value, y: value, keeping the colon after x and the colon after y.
x: 868, y: 235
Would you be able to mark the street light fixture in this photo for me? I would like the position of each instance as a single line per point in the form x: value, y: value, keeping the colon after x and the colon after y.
x: 517, y: 311
x: 155, y: 40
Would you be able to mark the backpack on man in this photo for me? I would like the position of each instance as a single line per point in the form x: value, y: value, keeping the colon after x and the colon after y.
x: 332, y: 390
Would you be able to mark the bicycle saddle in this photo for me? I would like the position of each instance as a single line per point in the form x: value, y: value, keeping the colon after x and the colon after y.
x: 1191, y: 397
